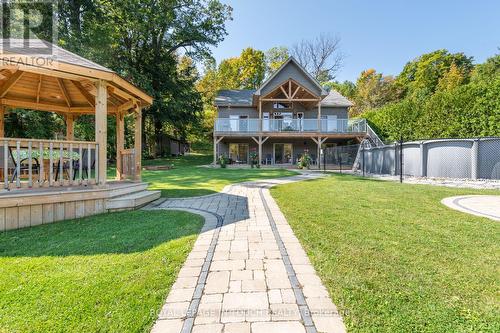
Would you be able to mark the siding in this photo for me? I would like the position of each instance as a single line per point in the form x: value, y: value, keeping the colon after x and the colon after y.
x: 291, y: 71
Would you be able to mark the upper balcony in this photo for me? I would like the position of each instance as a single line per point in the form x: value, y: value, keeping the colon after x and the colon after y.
x: 226, y: 126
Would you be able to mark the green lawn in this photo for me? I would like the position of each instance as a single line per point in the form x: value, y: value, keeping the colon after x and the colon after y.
x: 190, y: 178
x: 106, y: 273
x: 395, y: 259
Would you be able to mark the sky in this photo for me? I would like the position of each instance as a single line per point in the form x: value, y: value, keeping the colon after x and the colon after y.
x: 379, y: 34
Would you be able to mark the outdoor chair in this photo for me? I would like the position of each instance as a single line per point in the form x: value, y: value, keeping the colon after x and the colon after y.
x: 268, y: 159
x: 313, y: 159
x: 23, y: 166
x: 84, y: 159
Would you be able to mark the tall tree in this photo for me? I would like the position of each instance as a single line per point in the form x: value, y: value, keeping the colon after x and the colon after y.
x: 275, y: 57
x: 252, y: 68
x: 320, y: 56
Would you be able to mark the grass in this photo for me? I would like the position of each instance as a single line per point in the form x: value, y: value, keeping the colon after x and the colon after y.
x: 393, y: 258
x: 106, y: 273
x: 190, y: 178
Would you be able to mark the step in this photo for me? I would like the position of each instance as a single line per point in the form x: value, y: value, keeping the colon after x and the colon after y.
x: 132, y: 200
x: 124, y: 188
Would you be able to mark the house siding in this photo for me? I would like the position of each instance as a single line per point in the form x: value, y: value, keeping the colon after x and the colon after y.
x: 291, y: 71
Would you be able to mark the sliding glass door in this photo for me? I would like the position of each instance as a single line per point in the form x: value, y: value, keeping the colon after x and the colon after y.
x: 238, y: 153
x: 283, y: 153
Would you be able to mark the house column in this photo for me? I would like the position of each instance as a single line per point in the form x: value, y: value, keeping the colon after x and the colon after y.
x: 70, y: 127
x: 319, y: 116
x: 260, y: 151
x: 120, y: 144
x: 260, y: 114
x: 101, y: 130
x: 138, y: 143
x: 2, y: 121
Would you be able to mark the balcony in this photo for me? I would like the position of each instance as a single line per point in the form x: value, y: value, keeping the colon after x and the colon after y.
x: 269, y: 126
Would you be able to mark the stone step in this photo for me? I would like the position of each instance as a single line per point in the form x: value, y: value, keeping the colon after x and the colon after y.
x: 132, y: 200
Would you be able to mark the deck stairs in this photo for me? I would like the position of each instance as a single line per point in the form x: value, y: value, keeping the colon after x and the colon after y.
x: 131, y: 197
x: 372, y: 140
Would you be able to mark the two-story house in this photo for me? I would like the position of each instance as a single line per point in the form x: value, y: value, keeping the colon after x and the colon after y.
x: 290, y: 113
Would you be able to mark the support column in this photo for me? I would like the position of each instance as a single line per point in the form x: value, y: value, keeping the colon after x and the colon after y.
x: 215, y: 150
x: 70, y: 127
x: 2, y: 121
x: 260, y: 151
x: 319, y: 153
x: 101, y: 130
x: 138, y: 143
x: 260, y: 115
x: 319, y: 117
x: 120, y: 144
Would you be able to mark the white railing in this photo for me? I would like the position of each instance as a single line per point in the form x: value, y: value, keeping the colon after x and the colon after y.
x: 225, y: 125
x: 31, y: 163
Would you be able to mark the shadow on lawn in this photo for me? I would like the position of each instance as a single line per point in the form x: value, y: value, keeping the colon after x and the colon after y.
x: 113, y: 233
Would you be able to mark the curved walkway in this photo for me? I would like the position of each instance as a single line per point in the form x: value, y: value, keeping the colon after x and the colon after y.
x: 247, y: 271
x: 479, y: 205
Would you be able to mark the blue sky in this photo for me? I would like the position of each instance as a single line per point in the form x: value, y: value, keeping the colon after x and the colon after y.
x: 379, y: 34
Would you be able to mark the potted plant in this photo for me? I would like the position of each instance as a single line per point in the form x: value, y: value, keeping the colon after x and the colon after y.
x: 254, y: 159
x: 222, y: 161
x: 304, y: 161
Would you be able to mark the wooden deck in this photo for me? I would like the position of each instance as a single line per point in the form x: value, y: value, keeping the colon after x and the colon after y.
x: 20, y: 208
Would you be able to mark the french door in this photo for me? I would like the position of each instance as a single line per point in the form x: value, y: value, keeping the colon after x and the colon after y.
x: 283, y: 153
x: 238, y: 152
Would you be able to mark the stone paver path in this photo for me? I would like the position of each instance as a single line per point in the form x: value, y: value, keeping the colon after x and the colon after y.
x: 247, y: 271
x: 479, y: 205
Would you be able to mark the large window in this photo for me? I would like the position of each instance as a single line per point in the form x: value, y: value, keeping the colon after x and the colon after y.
x: 282, y: 106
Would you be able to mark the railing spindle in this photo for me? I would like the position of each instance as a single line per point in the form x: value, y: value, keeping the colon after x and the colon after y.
x: 30, y: 165
x: 41, y: 177
x: 6, y: 164
x: 89, y: 169
x: 61, y: 162
x: 18, y: 164
x: 80, y: 163
x: 96, y: 168
x: 51, y: 164
x: 70, y: 164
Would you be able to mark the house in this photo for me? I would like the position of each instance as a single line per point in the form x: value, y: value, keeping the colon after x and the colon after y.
x: 289, y: 114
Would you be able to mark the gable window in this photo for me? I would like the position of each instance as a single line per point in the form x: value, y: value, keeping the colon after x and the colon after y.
x: 282, y: 106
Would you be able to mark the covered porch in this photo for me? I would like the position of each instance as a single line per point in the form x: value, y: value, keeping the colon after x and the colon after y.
x: 49, y: 170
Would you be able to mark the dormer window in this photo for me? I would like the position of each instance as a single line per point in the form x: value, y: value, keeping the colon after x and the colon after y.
x: 282, y: 106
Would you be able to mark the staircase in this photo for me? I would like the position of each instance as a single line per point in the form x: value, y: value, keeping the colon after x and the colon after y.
x: 371, y: 140
x: 130, y: 196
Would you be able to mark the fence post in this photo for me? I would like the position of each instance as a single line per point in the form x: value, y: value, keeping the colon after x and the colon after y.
x: 401, y: 159
x: 475, y: 158
x: 340, y: 162
x: 423, y: 162
x: 363, y: 156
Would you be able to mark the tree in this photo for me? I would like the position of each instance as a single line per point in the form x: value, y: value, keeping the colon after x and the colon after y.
x: 275, y: 57
x: 346, y: 88
x: 421, y: 76
x: 373, y: 90
x: 143, y: 43
x: 321, y: 56
x: 252, y: 68
x: 488, y: 71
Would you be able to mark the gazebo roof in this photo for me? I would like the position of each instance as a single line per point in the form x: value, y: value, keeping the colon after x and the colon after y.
x: 60, y: 81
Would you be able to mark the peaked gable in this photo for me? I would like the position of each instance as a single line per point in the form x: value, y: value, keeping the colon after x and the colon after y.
x: 291, y: 69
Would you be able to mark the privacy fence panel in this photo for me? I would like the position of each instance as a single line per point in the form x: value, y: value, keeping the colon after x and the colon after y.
x: 443, y: 158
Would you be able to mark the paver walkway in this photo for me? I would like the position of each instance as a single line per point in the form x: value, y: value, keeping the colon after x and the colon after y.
x: 247, y: 271
x: 479, y: 205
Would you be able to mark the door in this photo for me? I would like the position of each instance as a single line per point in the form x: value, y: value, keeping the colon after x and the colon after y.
x: 329, y: 123
x: 300, y: 122
x: 243, y: 124
x: 265, y: 121
x: 234, y: 123
x: 283, y: 153
x: 238, y: 153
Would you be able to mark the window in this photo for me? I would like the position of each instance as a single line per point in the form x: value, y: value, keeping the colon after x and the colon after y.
x: 282, y: 106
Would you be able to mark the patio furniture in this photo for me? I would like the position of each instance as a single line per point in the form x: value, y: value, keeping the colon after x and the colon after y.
x: 268, y: 159
x: 23, y: 167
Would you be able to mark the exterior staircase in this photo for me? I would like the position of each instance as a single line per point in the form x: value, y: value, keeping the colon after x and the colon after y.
x: 371, y: 140
x: 130, y: 197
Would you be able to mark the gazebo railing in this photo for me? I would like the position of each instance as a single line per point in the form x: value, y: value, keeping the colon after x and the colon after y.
x: 33, y: 163
x: 128, y: 163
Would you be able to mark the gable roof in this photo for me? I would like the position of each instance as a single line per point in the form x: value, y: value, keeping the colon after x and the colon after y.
x: 306, y: 73
x: 334, y: 98
x: 234, y: 97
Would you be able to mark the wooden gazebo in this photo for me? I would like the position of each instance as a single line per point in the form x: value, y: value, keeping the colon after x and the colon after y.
x: 67, y: 84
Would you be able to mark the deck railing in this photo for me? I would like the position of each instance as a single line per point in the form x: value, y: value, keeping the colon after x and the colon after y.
x: 32, y: 163
x: 226, y: 125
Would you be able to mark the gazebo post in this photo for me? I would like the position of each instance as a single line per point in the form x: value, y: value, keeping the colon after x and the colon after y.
x: 120, y: 144
x: 70, y: 127
x: 138, y: 142
x: 2, y: 121
x: 101, y: 127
